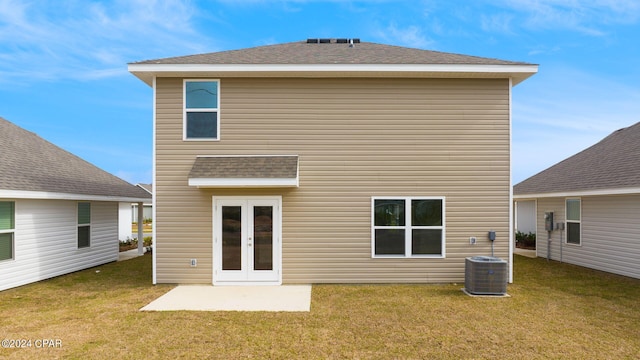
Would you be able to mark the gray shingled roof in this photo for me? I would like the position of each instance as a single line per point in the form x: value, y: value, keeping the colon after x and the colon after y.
x: 301, y: 52
x: 30, y: 163
x: 613, y: 163
x: 245, y: 167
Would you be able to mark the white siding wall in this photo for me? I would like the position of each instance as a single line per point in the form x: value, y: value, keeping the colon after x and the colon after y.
x: 45, y: 243
x: 610, y: 234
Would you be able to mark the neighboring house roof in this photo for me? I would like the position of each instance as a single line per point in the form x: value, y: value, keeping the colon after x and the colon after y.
x: 243, y: 171
x: 33, y: 167
x: 331, y: 56
x: 147, y: 187
x: 610, y: 166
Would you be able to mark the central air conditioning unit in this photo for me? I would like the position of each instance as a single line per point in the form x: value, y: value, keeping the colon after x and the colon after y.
x: 485, y: 275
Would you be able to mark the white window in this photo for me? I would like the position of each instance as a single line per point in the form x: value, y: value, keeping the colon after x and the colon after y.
x: 84, y: 224
x: 7, y: 229
x: 574, y: 218
x: 408, y: 227
x: 201, y: 110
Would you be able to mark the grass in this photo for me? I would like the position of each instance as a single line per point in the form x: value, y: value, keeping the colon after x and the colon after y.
x: 555, y: 311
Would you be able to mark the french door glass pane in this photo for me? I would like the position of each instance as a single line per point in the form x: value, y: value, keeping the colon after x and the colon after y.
x: 231, y: 238
x: 389, y: 242
x: 426, y: 242
x: 263, y: 238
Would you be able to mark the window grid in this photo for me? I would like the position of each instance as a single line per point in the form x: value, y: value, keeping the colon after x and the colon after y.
x: 573, y: 214
x: 407, y: 227
x: 7, y: 230
x: 194, y: 110
x: 84, y: 225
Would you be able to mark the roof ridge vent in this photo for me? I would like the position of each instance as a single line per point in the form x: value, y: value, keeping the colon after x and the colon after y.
x: 349, y: 41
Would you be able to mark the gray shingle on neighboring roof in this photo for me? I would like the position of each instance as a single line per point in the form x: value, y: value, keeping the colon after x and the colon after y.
x: 30, y: 163
x: 301, y: 52
x: 244, y: 167
x: 612, y: 163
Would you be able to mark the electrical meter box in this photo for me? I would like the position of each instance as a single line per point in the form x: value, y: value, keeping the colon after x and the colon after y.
x: 548, y: 221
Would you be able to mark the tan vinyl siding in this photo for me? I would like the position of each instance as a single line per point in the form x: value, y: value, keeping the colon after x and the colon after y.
x: 356, y: 138
x: 609, y: 236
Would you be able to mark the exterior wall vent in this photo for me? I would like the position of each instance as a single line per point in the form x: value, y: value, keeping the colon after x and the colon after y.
x: 485, y: 275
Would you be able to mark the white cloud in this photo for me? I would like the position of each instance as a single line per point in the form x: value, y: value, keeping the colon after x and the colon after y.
x: 411, y: 36
x: 85, y: 40
x: 590, y: 17
x: 496, y: 22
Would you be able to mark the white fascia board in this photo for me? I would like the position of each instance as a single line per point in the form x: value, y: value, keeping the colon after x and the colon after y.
x: 329, y: 68
x: 518, y: 73
x: 20, y: 194
x: 245, y: 182
x: 462, y: 68
x: 600, y: 192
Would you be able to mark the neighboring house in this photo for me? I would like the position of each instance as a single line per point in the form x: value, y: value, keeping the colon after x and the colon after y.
x: 128, y: 214
x: 148, y: 208
x: 58, y: 213
x: 595, y: 200
x: 329, y: 161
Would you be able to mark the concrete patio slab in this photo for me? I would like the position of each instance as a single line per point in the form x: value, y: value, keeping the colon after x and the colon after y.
x: 234, y: 298
x: 129, y: 254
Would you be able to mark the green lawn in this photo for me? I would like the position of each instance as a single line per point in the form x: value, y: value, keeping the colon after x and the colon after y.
x: 556, y: 311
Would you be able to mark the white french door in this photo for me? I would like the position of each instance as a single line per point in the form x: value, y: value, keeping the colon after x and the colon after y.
x: 247, y: 244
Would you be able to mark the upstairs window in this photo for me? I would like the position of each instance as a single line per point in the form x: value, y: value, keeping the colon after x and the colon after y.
x: 84, y: 224
x: 201, y: 110
x: 573, y: 208
x: 7, y: 229
x: 408, y: 227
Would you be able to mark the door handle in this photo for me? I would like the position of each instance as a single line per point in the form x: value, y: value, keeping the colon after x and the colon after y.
x: 249, y: 242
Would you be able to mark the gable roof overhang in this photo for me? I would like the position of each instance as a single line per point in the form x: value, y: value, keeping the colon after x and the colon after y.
x: 47, y: 195
x: 517, y: 72
x: 241, y: 171
x: 577, y: 193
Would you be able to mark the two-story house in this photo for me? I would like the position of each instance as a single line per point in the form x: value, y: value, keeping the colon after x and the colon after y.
x: 329, y: 161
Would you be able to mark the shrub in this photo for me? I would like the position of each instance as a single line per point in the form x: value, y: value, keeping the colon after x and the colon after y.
x: 527, y: 240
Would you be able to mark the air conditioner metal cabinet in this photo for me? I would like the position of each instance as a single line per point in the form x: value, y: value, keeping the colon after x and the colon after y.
x: 485, y: 275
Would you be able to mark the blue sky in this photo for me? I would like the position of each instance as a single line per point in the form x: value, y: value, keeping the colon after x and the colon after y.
x: 63, y: 64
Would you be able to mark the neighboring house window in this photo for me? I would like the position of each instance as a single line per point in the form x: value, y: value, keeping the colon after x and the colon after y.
x: 573, y: 211
x: 84, y: 224
x: 7, y: 229
x: 201, y: 109
x: 408, y: 227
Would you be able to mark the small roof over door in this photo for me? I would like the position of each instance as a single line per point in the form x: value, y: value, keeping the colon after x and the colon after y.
x: 244, y: 171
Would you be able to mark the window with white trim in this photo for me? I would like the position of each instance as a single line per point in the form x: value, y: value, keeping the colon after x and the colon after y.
x: 574, y: 219
x: 7, y: 229
x: 84, y: 224
x: 408, y: 227
x: 201, y: 110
